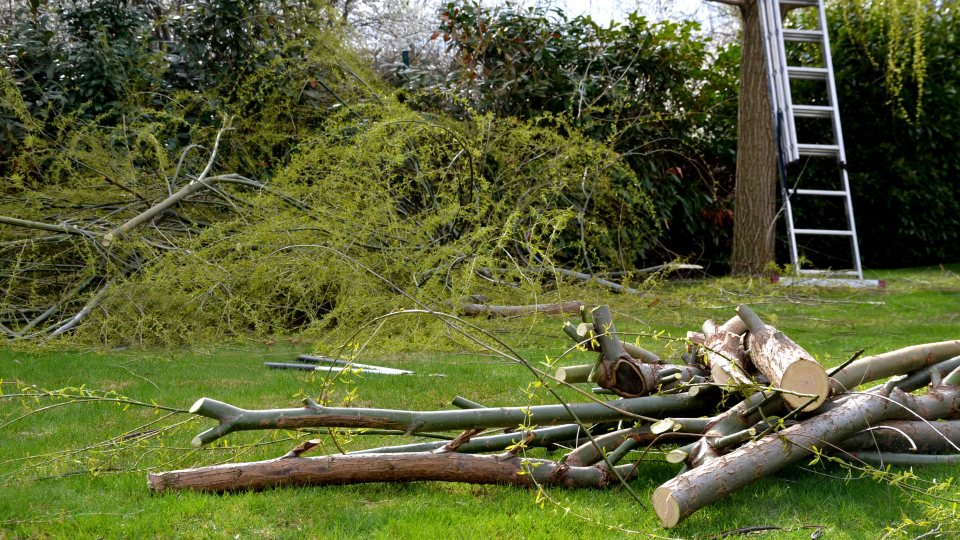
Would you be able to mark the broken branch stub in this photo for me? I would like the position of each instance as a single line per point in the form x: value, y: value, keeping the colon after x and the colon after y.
x: 584, y: 331
x: 618, y: 371
x: 784, y: 363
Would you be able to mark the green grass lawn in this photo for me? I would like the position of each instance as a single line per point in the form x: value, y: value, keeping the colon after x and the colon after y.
x: 91, y: 493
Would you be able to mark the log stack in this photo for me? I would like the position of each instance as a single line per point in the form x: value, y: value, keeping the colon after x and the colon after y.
x: 791, y: 409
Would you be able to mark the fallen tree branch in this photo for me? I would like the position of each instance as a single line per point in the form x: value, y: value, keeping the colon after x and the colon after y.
x: 312, y: 415
x: 474, y: 310
x: 357, y: 469
x: 784, y: 363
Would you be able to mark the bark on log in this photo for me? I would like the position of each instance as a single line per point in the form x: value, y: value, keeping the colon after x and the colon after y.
x: 617, y: 370
x: 881, y: 366
x: 587, y: 453
x: 748, y: 412
x: 356, y: 469
x: 491, y: 443
x: 575, y: 374
x: 900, y: 436
x: 882, y: 459
x: 680, y: 497
x: 724, y: 355
x: 474, y: 310
x: 784, y: 363
x: 235, y: 419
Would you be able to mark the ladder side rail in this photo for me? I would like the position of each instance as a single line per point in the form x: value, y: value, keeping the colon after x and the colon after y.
x: 838, y: 134
x: 791, y: 126
x: 775, y: 72
x: 854, y: 240
x: 775, y: 88
x: 831, y: 82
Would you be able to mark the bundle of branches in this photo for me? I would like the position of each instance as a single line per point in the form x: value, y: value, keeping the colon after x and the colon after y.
x: 792, y: 408
x: 107, y: 234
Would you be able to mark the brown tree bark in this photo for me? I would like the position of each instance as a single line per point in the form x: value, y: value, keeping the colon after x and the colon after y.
x: 362, y: 468
x: 755, y: 190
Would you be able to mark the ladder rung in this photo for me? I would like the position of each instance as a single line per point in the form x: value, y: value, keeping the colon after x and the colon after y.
x: 800, y: 3
x: 812, y: 111
x: 807, y: 74
x: 805, y: 36
x: 818, y: 149
x: 821, y: 192
x: 840, y: 272
x: 822, y: 232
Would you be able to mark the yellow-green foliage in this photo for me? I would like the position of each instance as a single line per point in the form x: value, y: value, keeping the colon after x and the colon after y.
x: 903, y: 23
x: 355, y: 198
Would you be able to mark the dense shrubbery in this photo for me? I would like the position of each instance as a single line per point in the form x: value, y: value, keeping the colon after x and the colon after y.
x: 904, y: 170
x: 440, y: 206
x: 655, y: 93
x: 552, y: 141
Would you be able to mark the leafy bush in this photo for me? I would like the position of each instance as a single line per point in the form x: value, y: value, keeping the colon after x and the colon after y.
x: 904, y: 172
x: 656, y: 93
x: 344, y: 196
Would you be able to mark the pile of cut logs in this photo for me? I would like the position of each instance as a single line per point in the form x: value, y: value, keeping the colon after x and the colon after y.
x: 791, y: 408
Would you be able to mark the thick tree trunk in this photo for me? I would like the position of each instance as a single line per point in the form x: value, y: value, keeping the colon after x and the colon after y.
x: 755, y: 192
x: 363, y: 468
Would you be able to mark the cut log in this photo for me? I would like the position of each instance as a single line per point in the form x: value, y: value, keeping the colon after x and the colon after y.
x: 474, y: 310
x: 235, y: 419
x: 907, y: 436
x: 882, y: 459
x: 784, y: 363
x: 724, y: 355
x: 575, y: 374
x: 680, y: 497
x: 881, y: 366
x: 748, y: 412
x: 362, y: 468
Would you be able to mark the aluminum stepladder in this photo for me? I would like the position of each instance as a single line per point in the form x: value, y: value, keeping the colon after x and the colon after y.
x: 789, y: 149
